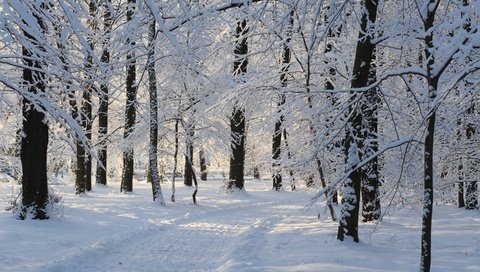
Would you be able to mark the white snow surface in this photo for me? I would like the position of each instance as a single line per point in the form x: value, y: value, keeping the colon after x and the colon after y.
x: 256, y: 230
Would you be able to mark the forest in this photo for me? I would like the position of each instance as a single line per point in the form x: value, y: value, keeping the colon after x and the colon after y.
x: 359, y: 107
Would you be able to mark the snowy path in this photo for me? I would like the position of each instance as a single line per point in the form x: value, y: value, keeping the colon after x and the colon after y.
x: 257, y: 230
x: 195, y: 242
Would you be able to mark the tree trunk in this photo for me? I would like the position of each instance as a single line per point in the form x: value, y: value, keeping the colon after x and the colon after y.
x: 426, y: 239
x: 237, y: 119
x: 203, y: 165
x: 460, y: 194
x: 130, y: 113
x: 277, y: 134
x: 289, y: 156
x: 153, y: 175
x: 87, y: 95
x: 471, y: 199
x: 101, y: 176
x: 35, y: 139
x: 329, y: 85
x: 175, y: 158
x: 188, y: 173
x: 353, y: 147
x: 80, y: 185
x: 460, y: 173
x: 371, y: 209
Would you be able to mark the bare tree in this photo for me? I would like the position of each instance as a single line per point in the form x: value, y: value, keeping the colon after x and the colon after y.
x: 101, y: 175
x: 130, y: 112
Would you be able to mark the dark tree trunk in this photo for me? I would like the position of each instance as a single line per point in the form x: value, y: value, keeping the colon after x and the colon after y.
x: 460, y: 174
x: 328, y: 85
x: 203, y: 165
x: 130, y: 113
x: 371, y: 209
x: 84, y: 170
x: 471, y: 199
x: 351, y: 187
x: 237, y: 160
x: 256, y: 173
x: 87, y: 95
x: 277, y: 133
x: 426, y: 239
x: 88, y: 133
x: 101, y: 175
x: 361, y: 77
x: 153, y: 175
x: 35, y: 139
x: 428, y: 195
x: 460, y: 194
x: 289, y: 156
x: 237, y: 119
x: 175, y: 159
x: 194, y: 178
x: 188, y: 175
x: 276, y: 149
x: 80, y: 185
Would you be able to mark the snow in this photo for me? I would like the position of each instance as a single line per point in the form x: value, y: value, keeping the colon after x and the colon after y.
x: 256, y: 230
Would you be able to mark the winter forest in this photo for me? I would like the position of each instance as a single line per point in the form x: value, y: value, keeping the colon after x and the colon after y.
x: 239, y: 135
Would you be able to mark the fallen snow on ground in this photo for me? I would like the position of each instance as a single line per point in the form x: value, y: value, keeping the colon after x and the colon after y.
x: 256, y: 230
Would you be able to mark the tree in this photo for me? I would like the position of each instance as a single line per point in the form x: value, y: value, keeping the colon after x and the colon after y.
x: 370, y: 182
x: 277, y: 134
x: 237, y: 119
x: 471, y: 199
x: 354, y: 139
x: 130, y: 112
x: 35, y: 127
x: 101, y: 175
x: 153, y: 175
x: 203, y: 165
x: 188, y: 168
x: 428, y: 19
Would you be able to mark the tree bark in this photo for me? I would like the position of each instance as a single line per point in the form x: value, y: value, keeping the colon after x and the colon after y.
x: 101, y: 175
x: 277, y: 134
x: 371, y: 209
x: 175, y: 157
x: 237, y: 119
x: 203, y: 165
x: 328, y: 85
x: 153, y: 175
x: 188, y: 173
x: 426, y: 239
x: 130, y: 112
x: 35, y: 138
x: 353, y: 147
x: 471, y: 199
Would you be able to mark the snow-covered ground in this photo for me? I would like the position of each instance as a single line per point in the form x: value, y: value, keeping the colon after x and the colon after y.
x: 256, y: 230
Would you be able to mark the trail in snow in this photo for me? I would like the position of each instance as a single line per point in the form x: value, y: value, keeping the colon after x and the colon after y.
x: 200, y: 241
x: 257, y: 230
